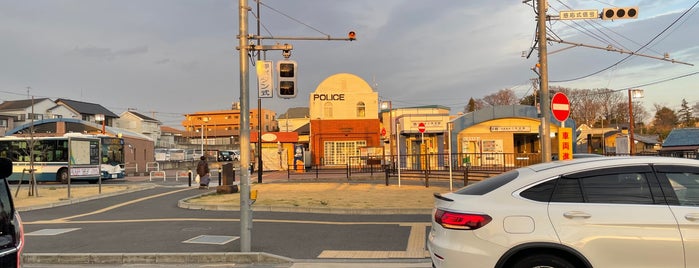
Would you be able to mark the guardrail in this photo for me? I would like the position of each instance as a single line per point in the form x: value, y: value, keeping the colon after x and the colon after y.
x: 159, y: 173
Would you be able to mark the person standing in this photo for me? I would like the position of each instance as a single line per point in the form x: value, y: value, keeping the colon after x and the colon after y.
x: 203, y: 172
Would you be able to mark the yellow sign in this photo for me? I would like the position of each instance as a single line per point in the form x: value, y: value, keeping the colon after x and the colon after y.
x: 565, y: 143
x: 578, y: 14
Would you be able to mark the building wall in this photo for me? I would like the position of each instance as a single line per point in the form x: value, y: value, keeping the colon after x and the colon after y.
x: 323, y: 131
x: 340, y: 95
x: 228, y: 120
x: 137, y: 124
x: 343, y: 113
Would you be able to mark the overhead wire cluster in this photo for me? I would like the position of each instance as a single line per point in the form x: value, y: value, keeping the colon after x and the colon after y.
x: 605, y: 38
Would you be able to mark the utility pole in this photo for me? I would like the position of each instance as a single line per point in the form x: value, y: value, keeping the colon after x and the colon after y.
x: 245, y: 156
x: 544, y: 136
x: 245, y: 204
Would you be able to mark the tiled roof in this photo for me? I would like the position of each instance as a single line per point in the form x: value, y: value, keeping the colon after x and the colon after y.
x: 143, y: 117
x: 682, y: 137
x: 19, y: 104
x: 87, y: 108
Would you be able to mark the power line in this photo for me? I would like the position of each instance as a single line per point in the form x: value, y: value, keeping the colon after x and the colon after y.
x: 630, y: 55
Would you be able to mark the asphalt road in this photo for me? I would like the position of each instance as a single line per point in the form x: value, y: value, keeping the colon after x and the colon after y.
x: 149, y: 221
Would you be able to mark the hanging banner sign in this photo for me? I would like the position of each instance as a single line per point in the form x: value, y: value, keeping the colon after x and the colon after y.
x: 265, y: 82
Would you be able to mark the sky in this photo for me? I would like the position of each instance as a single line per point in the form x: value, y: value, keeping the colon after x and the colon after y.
x: 167, y: 58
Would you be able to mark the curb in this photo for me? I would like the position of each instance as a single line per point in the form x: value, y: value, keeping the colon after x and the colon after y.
x: 154, y: 258
x: 320, y: 210
x: 83, y: 199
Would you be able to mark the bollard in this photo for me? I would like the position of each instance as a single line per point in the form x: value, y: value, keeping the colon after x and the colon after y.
x: 219, y: 176
x: 189, y: 176
x: 387, y: 176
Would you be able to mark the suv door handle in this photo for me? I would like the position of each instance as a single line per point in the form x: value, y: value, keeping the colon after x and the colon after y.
x: 692, y: 217
x: 576, y: 214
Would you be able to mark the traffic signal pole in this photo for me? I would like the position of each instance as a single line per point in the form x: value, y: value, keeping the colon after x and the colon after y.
x: 245, y: 155
x: 545, y: 132
x: 245, y: 204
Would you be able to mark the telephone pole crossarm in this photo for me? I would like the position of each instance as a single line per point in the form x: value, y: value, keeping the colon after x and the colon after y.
x: 328, y: 38
x: 613, y: 49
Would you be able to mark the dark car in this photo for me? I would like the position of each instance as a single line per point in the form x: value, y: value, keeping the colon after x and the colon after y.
x: 11, y: 232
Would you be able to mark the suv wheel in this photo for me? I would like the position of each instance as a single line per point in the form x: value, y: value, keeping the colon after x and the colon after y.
x: 543, y: 261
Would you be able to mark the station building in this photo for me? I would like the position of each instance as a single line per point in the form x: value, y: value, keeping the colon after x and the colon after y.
x: 503, y: 135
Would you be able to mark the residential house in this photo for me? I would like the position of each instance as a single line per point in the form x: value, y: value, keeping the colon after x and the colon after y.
x: 171, y: 138
x: 24, y: 111
x: 681, y: 142
x: 139, y: 123
x: 297, y: 120
x: 90, y: 112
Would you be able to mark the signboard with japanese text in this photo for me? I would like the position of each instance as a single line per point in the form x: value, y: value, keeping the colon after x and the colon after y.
x: 265, y: 82
x: 588, y: 14
x: 565, y: 143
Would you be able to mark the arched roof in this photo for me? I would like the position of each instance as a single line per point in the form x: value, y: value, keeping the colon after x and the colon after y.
x: 74, y: 125
x: 340, y: 82
x: 497, y: 112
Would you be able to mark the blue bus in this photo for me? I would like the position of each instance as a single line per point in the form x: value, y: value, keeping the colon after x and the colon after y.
x: 53, y: 159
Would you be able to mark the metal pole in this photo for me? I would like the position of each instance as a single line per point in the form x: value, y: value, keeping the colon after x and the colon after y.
x: 631, y: 123
x: 259, y: 109
x: 545, y: 137
x: 398, y: 152
x: 245, y: 206
x: 451, y: 179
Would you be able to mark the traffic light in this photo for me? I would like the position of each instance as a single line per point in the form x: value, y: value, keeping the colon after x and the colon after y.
x: 286, y: 79
x: 352, y: 36
x: 619, y: 13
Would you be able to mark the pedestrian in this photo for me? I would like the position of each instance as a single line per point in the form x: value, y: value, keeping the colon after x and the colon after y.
x: 203, y: 172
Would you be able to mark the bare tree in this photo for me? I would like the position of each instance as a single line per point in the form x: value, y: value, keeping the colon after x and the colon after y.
x: 502, y: 97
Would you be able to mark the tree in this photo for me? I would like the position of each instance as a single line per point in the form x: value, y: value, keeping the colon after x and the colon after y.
x: 473, y: 105
x: 502, y: 97
x: 664, y: 121
x: 685, y: 114
x: 530, y: 100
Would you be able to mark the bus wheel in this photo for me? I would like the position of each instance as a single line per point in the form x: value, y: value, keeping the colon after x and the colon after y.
x: 62, y: 175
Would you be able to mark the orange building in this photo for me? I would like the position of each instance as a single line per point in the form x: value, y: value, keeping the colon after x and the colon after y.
x: 221, y: 129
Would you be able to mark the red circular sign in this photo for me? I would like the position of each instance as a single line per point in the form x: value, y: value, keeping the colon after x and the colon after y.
x: 421, y: 127
x: 560, y: 106
x: 383, y: 131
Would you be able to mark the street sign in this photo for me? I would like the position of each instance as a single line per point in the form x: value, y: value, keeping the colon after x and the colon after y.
x: 383, y: 131
x: 588, y: 14
x: 421, y: 127
x: 560, y: 106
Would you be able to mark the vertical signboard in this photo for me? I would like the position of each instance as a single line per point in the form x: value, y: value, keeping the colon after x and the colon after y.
x: 265, y: 81
x: 565, y: 143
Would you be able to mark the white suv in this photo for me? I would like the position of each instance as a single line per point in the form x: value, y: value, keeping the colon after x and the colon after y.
x: 593, y: 212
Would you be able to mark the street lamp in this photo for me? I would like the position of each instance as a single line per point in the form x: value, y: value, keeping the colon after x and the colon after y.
x: 633, y: 93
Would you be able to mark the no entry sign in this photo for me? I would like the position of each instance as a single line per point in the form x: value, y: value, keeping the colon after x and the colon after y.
x: 421, y: 127
x: 560, y: 106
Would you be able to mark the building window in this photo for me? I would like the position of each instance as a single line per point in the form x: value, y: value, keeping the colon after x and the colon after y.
x: 3, y: 122
x: 328, y: 110
x: 361, y: 109
x: 339, y: 152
